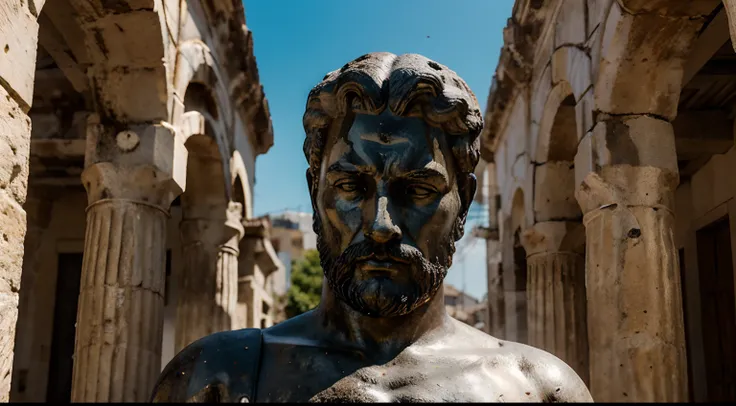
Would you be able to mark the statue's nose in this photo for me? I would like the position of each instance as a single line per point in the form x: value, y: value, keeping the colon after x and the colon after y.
x: 383, y: 229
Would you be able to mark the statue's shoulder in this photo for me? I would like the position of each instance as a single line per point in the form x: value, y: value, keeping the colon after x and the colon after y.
x: 554, y: 378
x: 222, y: 367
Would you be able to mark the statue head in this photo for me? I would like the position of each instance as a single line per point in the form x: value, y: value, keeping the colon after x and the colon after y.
x: 392, y: 144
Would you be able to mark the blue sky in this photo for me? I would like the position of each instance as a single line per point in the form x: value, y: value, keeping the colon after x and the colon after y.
x: 298, y: 41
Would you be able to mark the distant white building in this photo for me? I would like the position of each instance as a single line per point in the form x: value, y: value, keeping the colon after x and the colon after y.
x: 291, y: 236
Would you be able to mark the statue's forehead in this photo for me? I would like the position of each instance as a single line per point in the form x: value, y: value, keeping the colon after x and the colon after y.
x: 388, y: 129
x: 388, y: 142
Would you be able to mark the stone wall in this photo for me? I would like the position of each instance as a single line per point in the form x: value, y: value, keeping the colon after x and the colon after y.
x: 18, y: 28
x: 581, y: 128
x: 131, y: 65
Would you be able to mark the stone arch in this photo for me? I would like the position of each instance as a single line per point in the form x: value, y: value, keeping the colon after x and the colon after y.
x: 559, y: 95
x: 643, y: 51
x: 554, y: 173
x: 518, y: 213
x: 201, y: 115
x: 241, y: 184
x: 516, y: 280
x: 196, y: 65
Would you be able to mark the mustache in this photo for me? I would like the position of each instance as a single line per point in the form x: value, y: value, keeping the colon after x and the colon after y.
x: 368, y: 249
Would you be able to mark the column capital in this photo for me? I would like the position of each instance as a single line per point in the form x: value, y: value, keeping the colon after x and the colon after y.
x: 141, y: 162
x: 627, y: 161
x: 554, y: 237
x: 225, y: 231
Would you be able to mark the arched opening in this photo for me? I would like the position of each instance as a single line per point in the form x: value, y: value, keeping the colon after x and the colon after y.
x: 198, y: 229
x: 519, y: 310
x: 557, y: 266
x: 563, y: 143
x: 554, y: 174
x: 238, y: 195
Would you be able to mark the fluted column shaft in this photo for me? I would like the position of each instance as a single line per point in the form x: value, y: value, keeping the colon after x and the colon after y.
x: 117, y: 351
x: 120, y: 316
x: 209, y: 280
x: 556, y: 311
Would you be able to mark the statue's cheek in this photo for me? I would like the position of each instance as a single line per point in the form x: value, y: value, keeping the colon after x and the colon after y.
x: 344, y: 219
x: 435, y: 223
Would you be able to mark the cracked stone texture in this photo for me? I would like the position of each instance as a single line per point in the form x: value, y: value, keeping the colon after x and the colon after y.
x: 15, y: 133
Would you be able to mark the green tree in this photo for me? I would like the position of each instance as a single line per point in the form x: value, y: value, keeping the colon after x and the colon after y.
x: 306, y: 285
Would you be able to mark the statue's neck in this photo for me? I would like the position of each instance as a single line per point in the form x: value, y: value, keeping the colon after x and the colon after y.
x: 381, y: 337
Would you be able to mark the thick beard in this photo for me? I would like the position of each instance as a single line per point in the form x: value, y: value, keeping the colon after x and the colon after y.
x: 383, y: 298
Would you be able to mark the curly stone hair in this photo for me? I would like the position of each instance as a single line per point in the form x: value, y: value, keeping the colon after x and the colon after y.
x: 410, y: 85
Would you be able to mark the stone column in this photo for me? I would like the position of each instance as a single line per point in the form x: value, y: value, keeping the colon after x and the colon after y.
x: 120, y: 315
x: 556, y: 310
x: 209, y: 282
x: 627, y: 172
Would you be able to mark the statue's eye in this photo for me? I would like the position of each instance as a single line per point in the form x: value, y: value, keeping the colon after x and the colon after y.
x: 347, y: 186
x: 419, y: 191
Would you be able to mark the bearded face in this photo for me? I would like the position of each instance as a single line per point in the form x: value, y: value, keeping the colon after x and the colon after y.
x: 387, y: 214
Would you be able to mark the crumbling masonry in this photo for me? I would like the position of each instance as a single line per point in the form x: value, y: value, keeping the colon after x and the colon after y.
x: 129, y: 131
x: 610, y: 138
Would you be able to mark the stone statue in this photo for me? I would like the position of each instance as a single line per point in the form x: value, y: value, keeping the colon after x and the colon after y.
x: 392, y: 142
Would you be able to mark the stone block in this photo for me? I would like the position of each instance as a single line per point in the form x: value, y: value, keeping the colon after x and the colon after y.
x: 584, y: 163
x: 515, y: 133
x: 15, y: 135
x: 642, y: 59
x: 137, y: 95
x: 554, y: 192
x: 594, y: 43
x: 584, y: 113
x: 570, y: 24
x: 132, y: 39
x: 172, y: 12
x: 187, y: 28
x: 597, y: 10
x: 572, y: 65
x: 8, y: 319
x: 18, y: 39
x: 12, y: 235
x: 554, y: 236
x: 690, y: 8
x: 540, y: 94
x: 635, y: 141
x: 627, y: 160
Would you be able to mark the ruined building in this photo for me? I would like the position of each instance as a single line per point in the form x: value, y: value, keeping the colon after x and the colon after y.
x: 129, y: 131
x: 610, y: 133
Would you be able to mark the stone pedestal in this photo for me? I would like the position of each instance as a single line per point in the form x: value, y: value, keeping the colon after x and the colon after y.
x: 208, y: 292
x: 635, y: 321
x: 556, y: 310
x: 131, y: 179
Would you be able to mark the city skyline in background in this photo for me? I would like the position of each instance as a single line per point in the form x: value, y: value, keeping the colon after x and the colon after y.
x: 295, y: 48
